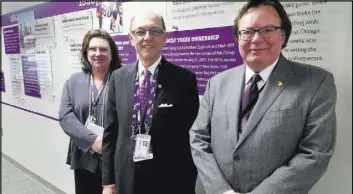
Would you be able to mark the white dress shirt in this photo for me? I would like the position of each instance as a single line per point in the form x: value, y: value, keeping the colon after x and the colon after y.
x: 264, y: 74
x: 152, y: 69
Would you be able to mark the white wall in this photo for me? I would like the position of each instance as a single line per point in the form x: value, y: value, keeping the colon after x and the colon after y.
x: 36, y: 142
x: 338, y: 178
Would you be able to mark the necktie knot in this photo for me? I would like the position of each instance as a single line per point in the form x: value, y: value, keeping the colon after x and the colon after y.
x: 255, y: 78
x: 147, y: 73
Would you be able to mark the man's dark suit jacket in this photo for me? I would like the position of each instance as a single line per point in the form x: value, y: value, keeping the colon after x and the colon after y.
x: 172, y: 169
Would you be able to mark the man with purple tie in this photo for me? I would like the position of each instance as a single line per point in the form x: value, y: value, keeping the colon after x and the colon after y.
x: 151, y: 106
x: 268, y: 126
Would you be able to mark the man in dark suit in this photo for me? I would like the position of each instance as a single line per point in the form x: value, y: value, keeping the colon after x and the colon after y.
x: 268, y: 126
x: 146, y: 146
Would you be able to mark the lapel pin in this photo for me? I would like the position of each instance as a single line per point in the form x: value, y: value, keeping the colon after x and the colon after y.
x: 279, y: 83
x: 159, y: 86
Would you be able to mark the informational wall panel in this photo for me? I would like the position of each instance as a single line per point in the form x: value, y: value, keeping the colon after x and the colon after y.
x: 2, y: 82
x: 42, y: 45
x: 11, y: 40
x: 206, y: 52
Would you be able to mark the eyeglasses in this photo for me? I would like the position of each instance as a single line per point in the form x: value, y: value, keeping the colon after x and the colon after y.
x: 265, y: 32
x: 153, y: 32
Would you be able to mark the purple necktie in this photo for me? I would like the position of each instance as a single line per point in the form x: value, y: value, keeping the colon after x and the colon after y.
x: 250, y: 96
x: 145, y: 89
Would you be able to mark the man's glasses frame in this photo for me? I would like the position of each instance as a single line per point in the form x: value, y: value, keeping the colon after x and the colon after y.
x: 265, y: 32
x: 155, y: 31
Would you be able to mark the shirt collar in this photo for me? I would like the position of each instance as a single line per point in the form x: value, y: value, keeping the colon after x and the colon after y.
x: 152, y: 68
x: 265, y: 74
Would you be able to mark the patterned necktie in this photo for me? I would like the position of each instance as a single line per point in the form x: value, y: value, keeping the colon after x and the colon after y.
x: 250, y: 96
x: 145, y: 89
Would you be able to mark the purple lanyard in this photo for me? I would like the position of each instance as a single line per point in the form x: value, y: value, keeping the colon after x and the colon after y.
x: 137, y: 109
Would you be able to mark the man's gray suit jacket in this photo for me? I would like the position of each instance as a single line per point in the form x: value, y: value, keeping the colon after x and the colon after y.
x: 288, y: 140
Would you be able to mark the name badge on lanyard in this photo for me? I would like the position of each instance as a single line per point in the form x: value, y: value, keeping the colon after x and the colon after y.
x: 143, y: 150
x: 142, y: 142
x: 91, y: 120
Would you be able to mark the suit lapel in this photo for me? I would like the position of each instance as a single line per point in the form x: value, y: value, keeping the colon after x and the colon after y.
x: 233, y: 103
x: 281, y: 73
x: 161, y: 83
x: 129, y: 85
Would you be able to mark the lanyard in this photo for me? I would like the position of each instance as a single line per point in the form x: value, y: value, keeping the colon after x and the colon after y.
x: 93, y: 102
x: 137, y: 109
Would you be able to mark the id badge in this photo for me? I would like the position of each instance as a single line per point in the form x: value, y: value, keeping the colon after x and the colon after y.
x: 89, y: 120
x: 142, y: 149
x: 96, y: 129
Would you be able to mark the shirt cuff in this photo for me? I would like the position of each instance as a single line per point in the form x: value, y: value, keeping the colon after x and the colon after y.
x: 230, y: 192
x: 108, y: 185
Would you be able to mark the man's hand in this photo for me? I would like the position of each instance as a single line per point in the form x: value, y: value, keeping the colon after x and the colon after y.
x: 97, y: 145
x: 109, y: 189
x: 91, y: 151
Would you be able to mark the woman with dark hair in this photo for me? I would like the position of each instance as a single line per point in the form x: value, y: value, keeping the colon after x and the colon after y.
x: 81, y: 113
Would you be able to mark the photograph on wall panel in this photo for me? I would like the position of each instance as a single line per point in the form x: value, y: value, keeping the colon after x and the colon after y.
x: 110, y: 16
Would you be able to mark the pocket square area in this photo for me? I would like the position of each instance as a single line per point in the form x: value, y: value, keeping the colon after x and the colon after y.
x: 165, y: 105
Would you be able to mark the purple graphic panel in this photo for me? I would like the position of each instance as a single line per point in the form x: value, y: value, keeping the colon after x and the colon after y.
x: 30, y: 77
x: 205, y: 52
x: 11, y: 41
x: 2, y: 82
x: 127, y: 52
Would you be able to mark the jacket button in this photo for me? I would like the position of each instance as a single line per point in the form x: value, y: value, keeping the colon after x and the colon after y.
x: 236, y: 158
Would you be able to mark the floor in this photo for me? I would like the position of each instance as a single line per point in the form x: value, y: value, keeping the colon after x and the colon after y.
x: 15, y: 179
